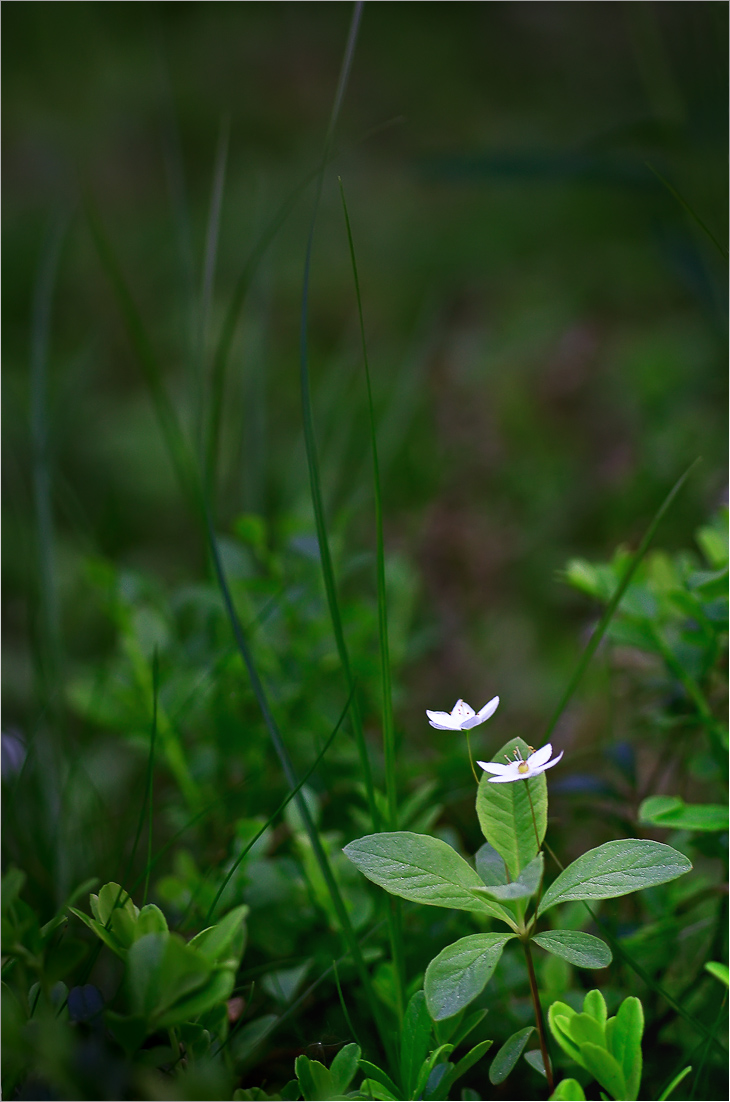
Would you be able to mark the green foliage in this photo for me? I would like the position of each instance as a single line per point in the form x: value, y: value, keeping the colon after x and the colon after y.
x: 506, y: 817
x: 608, y: 1048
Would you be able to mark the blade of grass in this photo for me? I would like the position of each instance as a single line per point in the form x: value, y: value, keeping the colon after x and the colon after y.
x: 272, y: 818
x: 613, y: 604
x: 310, y: 440
x: 208, y: 279
x: 690, y: 210
x: 48, y: 613
x: 288, y: 769
x: 396, y: 926
x: 151, y: 769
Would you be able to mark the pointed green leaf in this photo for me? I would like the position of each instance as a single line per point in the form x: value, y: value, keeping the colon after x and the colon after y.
x: 438, y: 1056
x: 568, y: 1090
x: 584, y: 1029
x: 490, y: 866
x: 114, y: 909
x: 375, y: 1073
x: 373, y: 1088
x: 344, y: 1067
x: 223, y: 942
x: 602, y: 1066
x: 508, y: 1055
x: 472, y: 1057
x: 559, y: 1019
x: 161, y: 969
x: 526, y: 884
x: 718, y: 970
x: 625, y: 1043
x: 101, y: 932
x: 616, y: 868
x: 420, y: 868
x: 217, y: 989
x: 673, y: 813
x: 460, y: 972
x: 505, y: 815
x: 583, y: 950
x: 595, y: 1005
x: 535, y: 1060
x: 416, y: 1038
x: 674, y: 1083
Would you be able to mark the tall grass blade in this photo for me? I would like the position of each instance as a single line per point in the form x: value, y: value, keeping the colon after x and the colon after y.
x: 387, y: 689
x: 208, y: 280
x: 288, y: 769
x: 310, y: 440
x: 690, y: 210
x: 613, y: 604
x: 48, y: 612
x: 272, y: 818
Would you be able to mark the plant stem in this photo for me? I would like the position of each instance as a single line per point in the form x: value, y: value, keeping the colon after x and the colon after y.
x: 539, y: 1020
x: 471, y: 761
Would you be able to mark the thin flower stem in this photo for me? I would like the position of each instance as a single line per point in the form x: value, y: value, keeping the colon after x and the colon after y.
x: 471, y: 760
x: 539, y: 1020
x: 534, y: 820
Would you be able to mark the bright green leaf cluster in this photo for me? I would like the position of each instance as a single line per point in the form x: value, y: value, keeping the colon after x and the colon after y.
x: 608, y: 1048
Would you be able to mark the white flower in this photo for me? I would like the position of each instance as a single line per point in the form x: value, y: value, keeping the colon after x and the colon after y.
x: 462, y: 717
x: 520, y: 770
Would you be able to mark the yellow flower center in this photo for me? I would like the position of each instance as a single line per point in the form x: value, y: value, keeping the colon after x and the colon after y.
x: 523, y: 767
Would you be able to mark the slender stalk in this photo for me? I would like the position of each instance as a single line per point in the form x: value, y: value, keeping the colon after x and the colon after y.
x: 539, y: 1020
x: 471, y: 760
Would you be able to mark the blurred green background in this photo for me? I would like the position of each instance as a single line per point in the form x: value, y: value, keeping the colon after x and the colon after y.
x: 546, y: 326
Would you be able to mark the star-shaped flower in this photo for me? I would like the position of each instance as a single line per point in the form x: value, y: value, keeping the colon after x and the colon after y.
x: 519, y: 770
x: 462, y: 717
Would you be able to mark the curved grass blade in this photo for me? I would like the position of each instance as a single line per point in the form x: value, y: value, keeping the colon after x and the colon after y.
x: 613, y: 604
x: 287, y: 800
x: 689, y: 209
x: 310, y: 440
x: 285, y: 761
x: 387, y: 689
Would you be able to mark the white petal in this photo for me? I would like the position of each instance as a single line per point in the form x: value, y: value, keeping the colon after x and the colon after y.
x: 489, y: 709
x: 512, y: 777
x: 550, y: 764
x: 540, y: 756
x: 495, y: 767
x: 442, y: 721
x: 461, y: 712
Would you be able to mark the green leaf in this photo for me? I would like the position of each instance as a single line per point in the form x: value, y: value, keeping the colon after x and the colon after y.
x: 375, y: 1073
x: 490, y: 866
x: 344, y: 1067
x: 568, y: 1090
x: 624, y: 1043
x: 314, y: 1079
x: 151, y: 921
x: 467, y: 1026
x: 584, y: 1029
x: 526, y: 884
x: 508, y: 1055
x: 719, y: 971
x: 672, y: 812
x: 114, y: 909
x: 595, y: 1005
x: 674, y: 1083
x: 460, y: 972
x: 472, y: 1057
x: 559, y: 1019
x: 214, y: 942
x: 416, y: 1037
x: 505, y: 816
x: 616, y: 868
x: 580, y: 949
x: 128, y: 1030
x: 101, y: 932
x: 438, y: 1056
x: 216, y: 991
x: 373, y: 1088
x: 161, y: 969
x: 603, y: 1067
x: 535, y: 1060
x: 420, y: 868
